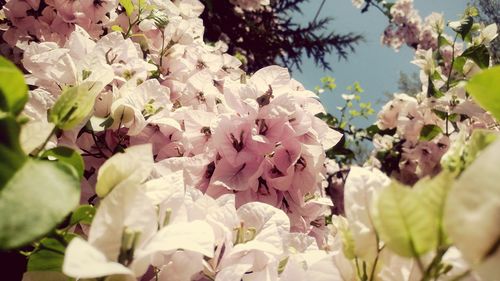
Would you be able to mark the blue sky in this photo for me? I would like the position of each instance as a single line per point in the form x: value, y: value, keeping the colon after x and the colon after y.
x: 376, y: 67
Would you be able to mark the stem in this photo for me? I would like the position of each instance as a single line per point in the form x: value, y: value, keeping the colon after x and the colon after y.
x: 371, y: 3
x: 88, y: 153
x: 156, y: 273
x: 372, y: 273
x: 365, y: 277
x: 435, y: 262
x: 452, y: 62
x: 319, y: 10
x: 59, y: 238
x: 38, y: 152
x: 446, y: 124
x: 162, y: 49
x: 97, y: 144
x: 131, y: 24
x: 57, y: 251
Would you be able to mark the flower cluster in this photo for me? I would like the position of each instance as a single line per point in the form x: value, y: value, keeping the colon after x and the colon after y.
x: 164, y: 228
x: 157, y: 82
x: 414, y: 132
x: 405, y: 25
x: 161, y: 228
x: 51, y: 21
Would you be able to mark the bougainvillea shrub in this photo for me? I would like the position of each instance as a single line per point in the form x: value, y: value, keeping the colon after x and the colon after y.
x: 133, y: 150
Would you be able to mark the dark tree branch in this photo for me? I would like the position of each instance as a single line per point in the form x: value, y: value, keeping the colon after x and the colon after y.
x: 270, y: 36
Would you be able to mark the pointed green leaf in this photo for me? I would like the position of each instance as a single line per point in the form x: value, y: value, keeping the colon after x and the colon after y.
x: 11, y: 154
x: 35, y: 199
x: 484, y: 89
x: 403, y: 222
x: 117, y: 28
x: 432, y: 91
x: 479, y: 54
x: 459, y: 63
x: 128, y: 5
x: 49, y: 255
x: 84, y: 214
x: 49, y: 258
x: 442, y: 41
x: 463, y: 152
x: 74, y: 105
x: 433, y: 193
x: 429, y: 132
x: 13, y: 89
x: 68, y: 156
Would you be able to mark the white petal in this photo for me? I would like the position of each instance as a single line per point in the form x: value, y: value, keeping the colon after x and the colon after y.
x: 234, y: 272
x: 125, y: 207
x: 196, y: 236
x: 362, y: 186
x: 131, y: 167
x: 472, y: 213
x: 161, y: 189
x: 84, y: 261
x: 261, y: 215
x: 181, y: 266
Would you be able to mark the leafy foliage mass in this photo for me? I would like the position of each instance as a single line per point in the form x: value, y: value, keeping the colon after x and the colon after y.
x: 270, y: 35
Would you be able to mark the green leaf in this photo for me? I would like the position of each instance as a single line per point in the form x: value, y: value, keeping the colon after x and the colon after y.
x: 49, y: 258
x: 73, y: 106
x: 463, y: 151
x: 84, y: 214
x: 479, y: 140
x: 49, y: 254
x: 458, y: 64
x: 68, y: 156
x: 442, y: 41
x: 436, y: 76
x: 357, y: 87
x: 471, y: 11
x: 484, y: 89
x: 13, y: 89
x: 372, y: 130
x: 433, y: 193
x: 35, y: 199
x: 11, y: 152
x: 128, y: 5
x: 463, y: 26
x: 441, y: 114
x: 403, y: 222
x: 432, y: 91
x: 348, y: 247
x: 117, y: 28
x: 479, y: 54
x: 429, y: 132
